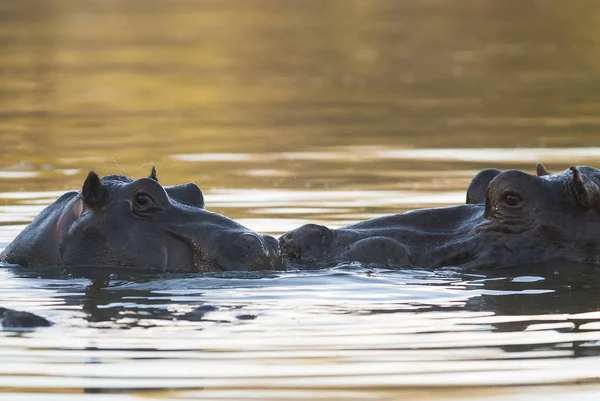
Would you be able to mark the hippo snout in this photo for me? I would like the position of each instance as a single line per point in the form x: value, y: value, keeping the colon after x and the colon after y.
x: 272, y: 258
x: 250, y: 251
x: 306, y: 244
x: 249, y: 243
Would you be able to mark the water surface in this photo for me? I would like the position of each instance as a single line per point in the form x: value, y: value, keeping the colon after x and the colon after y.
x: 288, y: 112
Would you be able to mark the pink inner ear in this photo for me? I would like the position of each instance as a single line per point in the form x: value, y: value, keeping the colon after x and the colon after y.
x: 78, y: 208
x: 68, y: 217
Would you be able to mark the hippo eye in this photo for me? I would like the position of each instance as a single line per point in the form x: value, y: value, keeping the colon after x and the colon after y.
x: 142, y: 201
x: 512, y: 199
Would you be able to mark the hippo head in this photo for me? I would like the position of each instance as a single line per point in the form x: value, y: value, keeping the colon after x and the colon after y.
x: 530, y: 218
x: 511, y: 218
x: 119, y: 222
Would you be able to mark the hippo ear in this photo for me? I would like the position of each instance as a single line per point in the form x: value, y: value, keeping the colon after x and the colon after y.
x: 585, y: 190
x: 541, y: 170
x: 153, y: 174
x: 93, y: 191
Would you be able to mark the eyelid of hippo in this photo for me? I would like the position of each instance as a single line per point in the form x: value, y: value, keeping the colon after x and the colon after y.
x: 148, y: 196
x: 511, y: 201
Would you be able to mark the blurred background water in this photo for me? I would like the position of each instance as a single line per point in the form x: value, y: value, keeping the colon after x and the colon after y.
x: 288, y: 112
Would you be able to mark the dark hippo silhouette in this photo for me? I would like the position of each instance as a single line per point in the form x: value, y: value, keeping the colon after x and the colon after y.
x: 115, y: 221
x: 511, y: 218
x: 13, y: 319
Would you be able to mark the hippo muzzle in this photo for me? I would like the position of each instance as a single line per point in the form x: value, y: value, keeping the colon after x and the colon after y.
x: 233, y: 249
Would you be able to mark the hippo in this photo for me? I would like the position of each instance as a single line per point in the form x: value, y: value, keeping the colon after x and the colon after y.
x: 117, y: 222
x: 510, y: 218
x: 13, y: 319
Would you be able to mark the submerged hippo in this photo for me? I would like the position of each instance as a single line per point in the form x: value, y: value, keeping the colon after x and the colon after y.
x: 115, y: 221
x: 511, y: 218
x: 13, y: 319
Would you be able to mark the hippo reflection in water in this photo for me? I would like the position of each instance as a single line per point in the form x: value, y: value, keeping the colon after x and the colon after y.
x: 115, y: 221
x: 511, y: 218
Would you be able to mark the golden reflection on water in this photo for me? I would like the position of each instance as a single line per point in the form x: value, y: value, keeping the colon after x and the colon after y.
x: 120, y: 85
x: 287, y: 112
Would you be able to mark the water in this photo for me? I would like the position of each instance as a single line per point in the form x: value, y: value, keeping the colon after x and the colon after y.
x: 287, y: 113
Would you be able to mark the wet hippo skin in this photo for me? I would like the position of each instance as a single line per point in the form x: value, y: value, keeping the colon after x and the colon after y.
x: 18, y: 319
x: 115, y: 221
x: 510, y: 218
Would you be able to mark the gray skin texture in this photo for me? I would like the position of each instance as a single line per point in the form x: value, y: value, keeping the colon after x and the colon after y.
x: 511, y: 218
x: 116, y: 222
